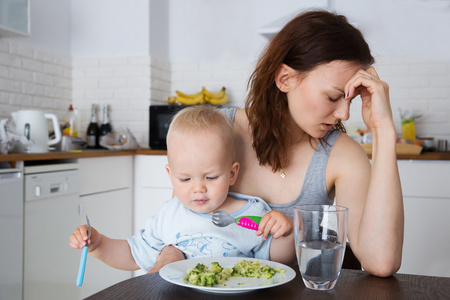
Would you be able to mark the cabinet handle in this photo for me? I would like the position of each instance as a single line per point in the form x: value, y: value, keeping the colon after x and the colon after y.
x: 80, y: 209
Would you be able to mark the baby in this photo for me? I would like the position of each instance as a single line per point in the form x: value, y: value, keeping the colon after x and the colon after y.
x: 201, y: 167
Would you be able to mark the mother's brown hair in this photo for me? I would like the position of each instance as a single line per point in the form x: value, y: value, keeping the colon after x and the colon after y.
x: 309, y: 40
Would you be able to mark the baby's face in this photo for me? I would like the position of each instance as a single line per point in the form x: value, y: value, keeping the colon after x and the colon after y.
x: 200, y: 170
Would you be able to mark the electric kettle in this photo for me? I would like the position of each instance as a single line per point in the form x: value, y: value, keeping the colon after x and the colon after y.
x: 33, y: 125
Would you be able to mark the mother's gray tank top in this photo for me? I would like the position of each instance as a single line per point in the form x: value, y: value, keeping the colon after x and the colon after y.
x: 314, y: 190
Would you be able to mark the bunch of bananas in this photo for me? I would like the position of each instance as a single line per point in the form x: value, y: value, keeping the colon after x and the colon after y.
x: 202, y: 97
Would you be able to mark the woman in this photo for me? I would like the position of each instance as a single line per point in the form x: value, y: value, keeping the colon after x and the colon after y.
x: 291, y: 143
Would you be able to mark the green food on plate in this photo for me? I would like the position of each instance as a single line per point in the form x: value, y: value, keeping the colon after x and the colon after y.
x: 203, y: 275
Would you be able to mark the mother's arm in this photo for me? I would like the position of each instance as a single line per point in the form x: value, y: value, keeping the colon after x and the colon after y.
x: 373, y: 194
x: 168, y: 255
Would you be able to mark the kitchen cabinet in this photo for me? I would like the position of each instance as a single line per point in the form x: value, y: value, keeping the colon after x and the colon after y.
x: 98, y: 187
x: 426, y: 198
x: 106, y: 197
x: 14, y: 17
x: 152, y: 188
x: 11, y: 231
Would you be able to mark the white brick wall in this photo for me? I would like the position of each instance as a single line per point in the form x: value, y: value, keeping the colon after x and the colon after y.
x: 423, y: 86
x: 33, y: 79
x: 127, y: 84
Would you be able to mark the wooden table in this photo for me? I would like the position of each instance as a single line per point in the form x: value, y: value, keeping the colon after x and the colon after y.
x: 351, y: 285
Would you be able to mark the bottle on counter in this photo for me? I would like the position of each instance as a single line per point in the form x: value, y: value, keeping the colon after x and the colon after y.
x: 105, y: 128
x: 93, y: 132
x: 71, y: 122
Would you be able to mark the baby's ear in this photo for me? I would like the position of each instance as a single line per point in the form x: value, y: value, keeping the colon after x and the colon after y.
x: 282, y: 76
x: 168, y: 169
x: 168, y: 172
x: 234, y: 173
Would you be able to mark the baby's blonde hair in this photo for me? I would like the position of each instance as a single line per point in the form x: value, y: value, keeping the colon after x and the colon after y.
x: 192, y: 120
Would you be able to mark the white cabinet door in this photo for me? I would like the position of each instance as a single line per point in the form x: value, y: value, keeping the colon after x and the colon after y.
x: 426, y: 246
x: 14, y: 18
x: 426, y: 199
x: 152, y: 187
x: 425, y: 178
x: 109, y: 213
x: 107, y: 198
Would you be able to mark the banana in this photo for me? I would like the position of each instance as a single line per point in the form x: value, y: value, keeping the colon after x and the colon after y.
x: 191, y: 101
x: 218, y: 98
x: 209, y: 95
x: 189, y: 96
x: 171, y: 100
x: 217, y: 101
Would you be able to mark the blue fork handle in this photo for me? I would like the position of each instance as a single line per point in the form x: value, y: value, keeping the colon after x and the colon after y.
x: 82, y: 266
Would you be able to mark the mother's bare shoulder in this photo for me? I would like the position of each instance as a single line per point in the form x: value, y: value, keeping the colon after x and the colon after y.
x: 347, y: 155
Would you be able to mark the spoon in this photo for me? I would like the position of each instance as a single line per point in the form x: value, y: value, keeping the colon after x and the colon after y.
x: 84, y: 252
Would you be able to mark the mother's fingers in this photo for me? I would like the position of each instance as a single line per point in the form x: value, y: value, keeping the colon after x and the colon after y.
x: 371, y: 70
x: 364, y: 83
x: 357, y: 85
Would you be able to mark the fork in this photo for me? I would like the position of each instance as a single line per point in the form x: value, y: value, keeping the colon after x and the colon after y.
x: 222, y: 219
x: 84, y: 252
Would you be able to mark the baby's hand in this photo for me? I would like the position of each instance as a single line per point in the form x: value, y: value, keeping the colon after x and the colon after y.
x: 78, y: 239
x: 276, y: 223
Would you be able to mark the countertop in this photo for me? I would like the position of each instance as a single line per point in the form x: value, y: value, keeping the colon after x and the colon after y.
x: 12, y: 157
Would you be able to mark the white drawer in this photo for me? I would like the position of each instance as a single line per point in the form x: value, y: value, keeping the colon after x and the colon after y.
x: 100, y: 174
x: 425, y: 178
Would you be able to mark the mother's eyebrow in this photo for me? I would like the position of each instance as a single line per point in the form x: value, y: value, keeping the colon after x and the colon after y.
x: 340, y: 90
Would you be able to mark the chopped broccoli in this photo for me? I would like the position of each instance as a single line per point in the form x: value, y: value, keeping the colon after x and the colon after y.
x: 203, y: 276
x: 216, y: 268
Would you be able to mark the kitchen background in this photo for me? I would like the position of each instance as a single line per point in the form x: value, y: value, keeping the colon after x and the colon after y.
x: 130, y: 54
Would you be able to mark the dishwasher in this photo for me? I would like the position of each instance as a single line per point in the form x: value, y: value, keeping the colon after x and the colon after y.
x: 51, y: 213
x: 11, y: 231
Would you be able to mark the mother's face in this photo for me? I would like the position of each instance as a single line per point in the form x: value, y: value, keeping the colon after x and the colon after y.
x: 316, y: 101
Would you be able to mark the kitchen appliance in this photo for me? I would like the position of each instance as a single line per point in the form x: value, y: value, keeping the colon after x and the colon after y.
x: 11, y: 231
x: 33, y: 125
x: 69, y: 143
x: 160, y: 118
x: 51, y: 213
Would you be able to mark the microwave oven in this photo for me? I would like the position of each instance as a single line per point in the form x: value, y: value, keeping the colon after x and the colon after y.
x: 160, y: 118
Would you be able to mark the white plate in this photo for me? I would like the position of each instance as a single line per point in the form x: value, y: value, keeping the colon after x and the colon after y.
x: 176, y: 272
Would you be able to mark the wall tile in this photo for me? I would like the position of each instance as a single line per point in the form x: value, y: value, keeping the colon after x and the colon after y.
x: 21, y: 50
x: 7, y: 85
x: 99, y: 72
x: 10, y: 60
x: 3, y: 71
x: 32, y: 65
x: 4, y: 46
x: 20, y: 74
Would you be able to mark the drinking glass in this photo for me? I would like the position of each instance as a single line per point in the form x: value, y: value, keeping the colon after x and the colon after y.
x: 320, y: 240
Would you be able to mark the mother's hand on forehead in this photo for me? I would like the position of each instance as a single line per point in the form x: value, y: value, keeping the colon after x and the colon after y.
x: 364, y: 83
x: 374, y: 92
